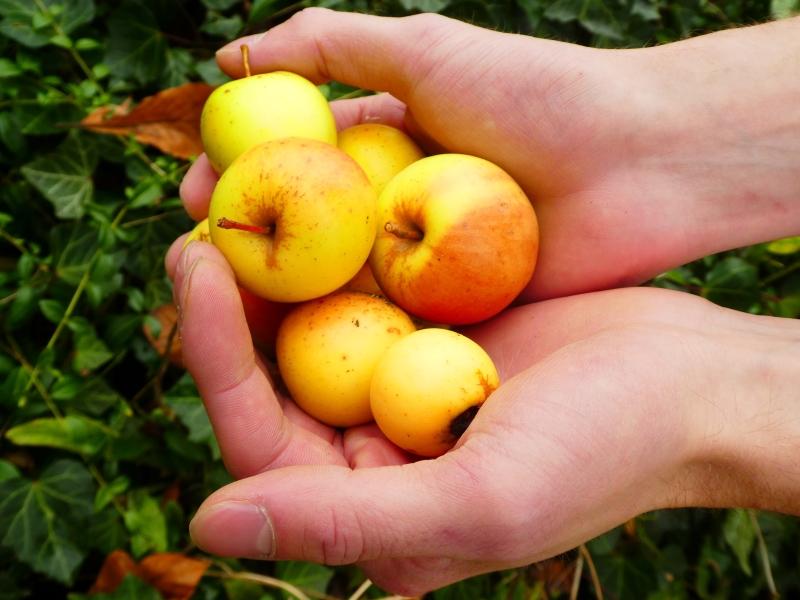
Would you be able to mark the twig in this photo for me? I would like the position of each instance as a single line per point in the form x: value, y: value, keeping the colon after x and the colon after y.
x: 265, y: 580
x: 598, y: 589
x: 764, y: 554
x: 576, y: 578
x: 361, y: 590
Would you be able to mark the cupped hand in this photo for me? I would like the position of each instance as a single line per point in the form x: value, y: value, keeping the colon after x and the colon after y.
x: 613, y: 404
x: 636, y: 161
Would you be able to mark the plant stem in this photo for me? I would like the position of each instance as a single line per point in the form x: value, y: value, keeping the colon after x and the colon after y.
x: 764, y: 554
x: 265, y: 580
x: 598, y: 589
x: 362, y: 589
x: 576, y: 578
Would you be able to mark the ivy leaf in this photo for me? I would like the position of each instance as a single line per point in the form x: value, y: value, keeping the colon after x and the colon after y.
x: 41, y: 520
x: 64, y: 177
x: 74, y: 433
x: 131, y: 588
x: 34, y: 24
x: 425, y: 5
x: 786, y: 246
x: 183, y: 399
x: 305, y: 575
x: 136, y: 47
x: 146, y: 524
x: 740, y: 536
x: 732, y: 282
x: 90, y: 353
x: 8, y: 471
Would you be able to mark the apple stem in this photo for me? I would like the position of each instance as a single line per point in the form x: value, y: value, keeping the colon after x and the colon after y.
x: 226, y: 223
x: 411, y: 233
x: 245, y: 59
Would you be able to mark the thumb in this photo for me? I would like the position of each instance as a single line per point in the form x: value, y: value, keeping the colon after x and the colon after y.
x: 376, y: 53
x: 335, y: 515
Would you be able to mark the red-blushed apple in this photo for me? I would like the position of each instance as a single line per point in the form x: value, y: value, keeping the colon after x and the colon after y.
x: 457, y: 239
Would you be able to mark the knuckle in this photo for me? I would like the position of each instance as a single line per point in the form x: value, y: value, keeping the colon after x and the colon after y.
x: 336, y: 539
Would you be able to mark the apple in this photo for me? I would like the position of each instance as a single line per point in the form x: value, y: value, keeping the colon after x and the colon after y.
x: 427, y: 388
x: 327, y: 350
x: 263, y: 316
x: 246, y: 112
x: 363, y: 281
x: 295, y: 219
x: 457, y: 239
x: 381, y: 150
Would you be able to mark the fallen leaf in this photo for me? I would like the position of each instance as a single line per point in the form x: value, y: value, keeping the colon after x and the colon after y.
x: 116, y: 566
x: 169, y: 120
x: 174, y: 575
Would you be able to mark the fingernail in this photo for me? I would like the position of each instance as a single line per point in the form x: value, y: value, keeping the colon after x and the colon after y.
x: 234, y: 529
x: 234, y: 46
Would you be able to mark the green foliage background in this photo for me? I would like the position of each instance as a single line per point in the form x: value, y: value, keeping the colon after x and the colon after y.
x: 99, y: 432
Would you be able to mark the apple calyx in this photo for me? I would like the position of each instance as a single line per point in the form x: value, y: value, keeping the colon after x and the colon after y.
x: 226, y: 223
x: 405, y: 233
x: 461, y: 421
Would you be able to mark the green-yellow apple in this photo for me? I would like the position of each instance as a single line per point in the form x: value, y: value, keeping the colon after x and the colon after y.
x: 246, y: 112
x: 457, y: 239
x: 381, y: 150
x: 263, y: 316
x: 295, y: 218
x: 327, y: 349
x: 427, y: 388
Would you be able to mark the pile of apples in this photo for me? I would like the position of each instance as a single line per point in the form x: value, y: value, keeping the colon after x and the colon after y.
x: 349, y: 246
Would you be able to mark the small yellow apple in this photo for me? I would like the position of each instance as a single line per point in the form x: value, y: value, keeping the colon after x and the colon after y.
x: 295, y: 218
x: 327, y: 349
x: 263, y: 316
x: 427, y: 388
x: 381, y: 150
x: 246, y: 112
x: 457, y: 239
x: 363, y: 281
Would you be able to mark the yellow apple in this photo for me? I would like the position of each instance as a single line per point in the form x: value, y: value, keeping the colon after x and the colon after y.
x: 457, y: 239
x: 263, y: 316
x: 427, y: 388
x: 363, y: 281
x: 327, y: 349
x: 246, y: 112
x: 382, y: 151
x: 295, y: 218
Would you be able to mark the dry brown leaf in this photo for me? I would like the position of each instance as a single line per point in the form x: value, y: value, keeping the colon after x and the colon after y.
x: 174, y: 575
x: 116, y: 566
x: 169, y: 120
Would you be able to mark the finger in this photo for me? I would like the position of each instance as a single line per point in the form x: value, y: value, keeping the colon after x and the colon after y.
x: 414, y: 577
x: 197, y: 187
x: 376, y: 53
x: 380, y: 108
x: 429, y: 508
x: 252, y: 430
x: 173, y: 254
x: 366, y: 446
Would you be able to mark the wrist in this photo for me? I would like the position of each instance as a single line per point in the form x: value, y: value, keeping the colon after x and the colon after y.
x: 724, y: 134
x: 747, y: 448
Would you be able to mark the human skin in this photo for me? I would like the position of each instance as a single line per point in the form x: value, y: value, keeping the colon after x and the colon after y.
x: 648, y: 158
x: 614, y: 403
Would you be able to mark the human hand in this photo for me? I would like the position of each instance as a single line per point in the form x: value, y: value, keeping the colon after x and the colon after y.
x: 613, y: 404
x: 636, y: 161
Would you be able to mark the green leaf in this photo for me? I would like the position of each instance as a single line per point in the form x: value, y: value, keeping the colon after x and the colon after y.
x: 23, y: 307
x: 33, y: 24
x: 220, y: 5
x: 90, y: 353
x: 108, y: 492
x: 782, y: 9
x: 305, y: 575
x: 8, y: 471
x: 64, y: 177
x: 10, y: 133
x: 740, y: 536
x: 210, y: 72
x: 260, y: 10
x: 74, y: 433
x: 788, y: 245
x: 732, y: 282
x: 131, y: 588
x: 8, y: 68
x: 145, y: 523
x: 41, y: 521
x: 106, y: 531
x: 425, y: 5
x: 73, y: 246
x: 224, y: 27
x: 53, y: 310
x: 136, y: 47
x: 183, y: 399
x: 626, y: 577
